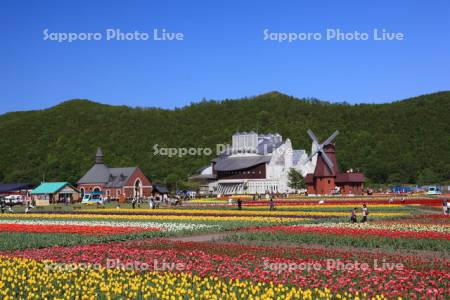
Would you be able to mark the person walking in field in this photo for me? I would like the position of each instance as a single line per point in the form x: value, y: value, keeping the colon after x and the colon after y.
x: 119, y: 199
x: 2, y: 205
x: 271, y: 204
x: 239, y: 204
x: 152, y: 202
x: 28, y: 207
x: 365, y: 213
x: 445, y: 206
x: 353, y: 217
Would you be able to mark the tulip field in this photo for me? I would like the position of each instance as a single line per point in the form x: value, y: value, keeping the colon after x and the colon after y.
x: 212, y: 250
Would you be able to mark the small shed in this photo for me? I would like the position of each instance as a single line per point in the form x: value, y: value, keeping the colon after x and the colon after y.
x: 160, y: 190
x: 54, y: 192
x: 15, y: 188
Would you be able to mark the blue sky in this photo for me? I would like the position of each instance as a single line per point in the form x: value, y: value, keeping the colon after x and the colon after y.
x: 223, y: 54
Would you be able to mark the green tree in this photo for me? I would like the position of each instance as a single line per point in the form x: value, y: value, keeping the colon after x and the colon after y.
x: 189, y: 185
x: 296, y: 180
x: 392, y: 142
x: 172, y: 181
x: 427, y: 176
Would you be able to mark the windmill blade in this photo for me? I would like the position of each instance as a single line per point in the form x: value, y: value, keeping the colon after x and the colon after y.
x: 312, y: 136
x: 312, y: 154
x: 332, y: 137
x: 328, y: 161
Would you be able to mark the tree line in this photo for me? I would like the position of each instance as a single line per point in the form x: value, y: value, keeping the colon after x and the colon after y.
x: 401, y: 142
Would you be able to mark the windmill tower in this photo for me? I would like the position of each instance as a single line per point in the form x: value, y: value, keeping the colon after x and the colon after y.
x: 323, y: 180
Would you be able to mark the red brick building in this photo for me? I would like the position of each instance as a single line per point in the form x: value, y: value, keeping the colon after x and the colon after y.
x: 325, y: 179
x: 114, y: 181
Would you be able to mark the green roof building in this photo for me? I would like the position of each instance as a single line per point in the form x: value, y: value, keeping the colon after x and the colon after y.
x: 54, y: 192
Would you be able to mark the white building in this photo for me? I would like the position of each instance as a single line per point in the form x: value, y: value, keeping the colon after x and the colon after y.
x: 256, y: 163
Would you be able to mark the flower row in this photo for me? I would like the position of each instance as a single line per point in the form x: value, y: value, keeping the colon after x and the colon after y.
x: 148, y: 217
x: 392, y: 226
x: 303, y: 268
x: 113, y: 224
x: 338, y: 200
x: 358, y: 230
x: 237, y: 213
x: 31, y: 279
x: 74, y: 229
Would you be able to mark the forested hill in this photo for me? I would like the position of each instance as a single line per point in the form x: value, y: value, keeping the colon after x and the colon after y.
x: 404, y: 141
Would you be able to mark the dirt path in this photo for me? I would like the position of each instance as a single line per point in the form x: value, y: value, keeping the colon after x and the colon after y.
x: 200, y: 238
x: 209, y: 237
x: 400, y: 252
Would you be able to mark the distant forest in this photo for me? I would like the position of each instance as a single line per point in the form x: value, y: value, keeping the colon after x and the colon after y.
x: 401, y: 142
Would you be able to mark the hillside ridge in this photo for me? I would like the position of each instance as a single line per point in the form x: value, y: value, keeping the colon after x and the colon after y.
x: 404, y: 141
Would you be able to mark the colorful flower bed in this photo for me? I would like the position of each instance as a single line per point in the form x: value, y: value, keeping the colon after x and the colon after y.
x: 337, y: 200
x: 261, y: 266
x: 394, y: 226
x: 31, y: 279
x: 306, y: 207
x: 143, y: 254
x: 363, y: 230
x: 390, y: 234
x: 246, y: 212
x: 149, y: 217
x: 77, y: 229
x: 114, y: 226
x: 239, y: 213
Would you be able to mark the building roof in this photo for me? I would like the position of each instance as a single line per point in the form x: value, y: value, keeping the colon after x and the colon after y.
x: 160, y: 189
x: 99, y: 173
x: 49, y: 187
x: 340, y: 178
x: 111, y: 177
x: 349, y: 177
x: 238, y: 163
x: 10, y: 187
x: 203, y: 177
x: 221, y: 156
x: 118, y: 177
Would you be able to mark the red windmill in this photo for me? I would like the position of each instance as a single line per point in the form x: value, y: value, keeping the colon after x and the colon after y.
x: 326, y: 178
x: 322, y: 181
